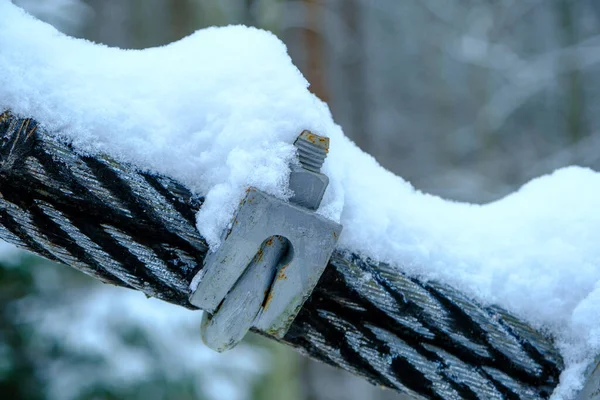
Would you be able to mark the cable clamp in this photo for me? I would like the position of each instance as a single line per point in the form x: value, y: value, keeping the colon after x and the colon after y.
x: 271, y: 257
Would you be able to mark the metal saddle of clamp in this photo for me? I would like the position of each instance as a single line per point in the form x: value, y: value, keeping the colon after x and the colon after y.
x: 271, y: 257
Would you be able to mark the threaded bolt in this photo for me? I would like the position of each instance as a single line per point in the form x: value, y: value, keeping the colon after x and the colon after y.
x: 312, y: 150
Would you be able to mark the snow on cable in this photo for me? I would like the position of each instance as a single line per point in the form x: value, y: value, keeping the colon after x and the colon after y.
x: 219, y: 111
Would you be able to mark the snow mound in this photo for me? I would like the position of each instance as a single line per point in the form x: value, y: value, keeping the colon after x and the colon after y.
x: 219, y: 111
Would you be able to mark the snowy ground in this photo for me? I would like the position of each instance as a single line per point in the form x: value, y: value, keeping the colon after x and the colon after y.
x: 116, y: 338
x: 94, y: 326
x: 219, y: 111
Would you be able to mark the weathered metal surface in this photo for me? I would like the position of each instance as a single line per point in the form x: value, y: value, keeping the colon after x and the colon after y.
x: 311, y: 239
x: 239, y: 309
x: 306, y: 181
x: 271, y: 258
x: 591, y: 390
x: 416, y: 337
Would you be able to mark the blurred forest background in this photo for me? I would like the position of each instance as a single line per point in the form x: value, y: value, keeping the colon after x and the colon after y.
x: 467, y: 99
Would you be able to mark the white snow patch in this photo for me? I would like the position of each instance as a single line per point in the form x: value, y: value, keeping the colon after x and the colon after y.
x: 94, y: 322
x: 219, y: 111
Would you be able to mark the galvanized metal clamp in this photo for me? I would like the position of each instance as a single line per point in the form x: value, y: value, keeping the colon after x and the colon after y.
x: 271, y: 257
x: 591, y: 385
